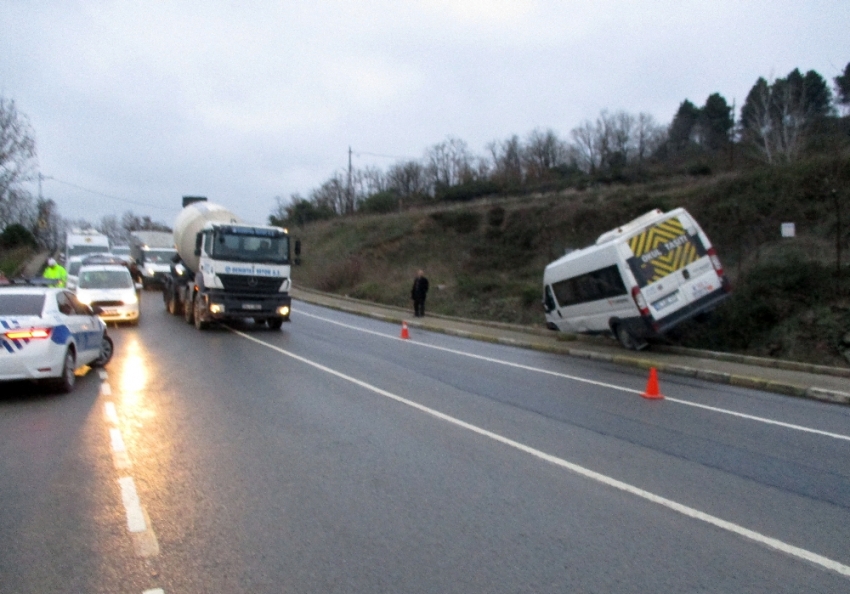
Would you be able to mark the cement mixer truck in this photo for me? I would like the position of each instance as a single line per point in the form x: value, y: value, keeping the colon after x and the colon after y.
x: 226, y: 269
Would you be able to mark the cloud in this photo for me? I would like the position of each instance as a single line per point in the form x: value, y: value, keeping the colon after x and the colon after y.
x: 151, y: 100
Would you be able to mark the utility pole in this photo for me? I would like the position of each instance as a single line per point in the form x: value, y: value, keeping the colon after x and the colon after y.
x: 349, y: 198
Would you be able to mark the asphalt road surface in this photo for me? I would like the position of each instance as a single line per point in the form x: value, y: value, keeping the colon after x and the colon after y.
x: 332, y: 456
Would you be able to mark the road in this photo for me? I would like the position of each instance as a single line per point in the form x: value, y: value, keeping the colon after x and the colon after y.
x: 332, y: 456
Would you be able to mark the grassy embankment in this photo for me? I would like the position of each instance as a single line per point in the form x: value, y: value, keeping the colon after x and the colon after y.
x: 485, y: 258
x: 11, y: 260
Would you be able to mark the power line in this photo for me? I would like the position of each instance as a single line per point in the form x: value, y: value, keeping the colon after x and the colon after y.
x: 110, y: 196
x: 361, y: 153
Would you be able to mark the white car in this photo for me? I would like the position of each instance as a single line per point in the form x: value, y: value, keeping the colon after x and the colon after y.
x: 46, y: 334
x: 73, y: 270
x: 109, y: 287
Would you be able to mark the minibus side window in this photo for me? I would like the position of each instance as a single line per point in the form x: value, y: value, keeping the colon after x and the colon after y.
x: 591, y: 286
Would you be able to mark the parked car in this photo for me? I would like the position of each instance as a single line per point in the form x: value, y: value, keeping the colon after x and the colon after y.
x: 109, y: 287
x: 46, y: 334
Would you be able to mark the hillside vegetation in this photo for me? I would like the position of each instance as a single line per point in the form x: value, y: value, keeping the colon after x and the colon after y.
x: 485, y: 258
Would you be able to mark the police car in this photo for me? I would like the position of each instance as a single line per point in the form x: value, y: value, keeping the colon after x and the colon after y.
x: 46, y: 334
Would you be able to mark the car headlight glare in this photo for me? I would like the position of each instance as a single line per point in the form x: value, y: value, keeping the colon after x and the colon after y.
x: 283, y: 310
x: 216, y: 308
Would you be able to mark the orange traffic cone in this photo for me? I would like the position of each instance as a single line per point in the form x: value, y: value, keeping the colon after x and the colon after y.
x: 652, y: 392
x: 404, y: 333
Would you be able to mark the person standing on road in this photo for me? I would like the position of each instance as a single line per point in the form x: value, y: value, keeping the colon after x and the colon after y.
x: 418, y: 294
x: 55, y: 272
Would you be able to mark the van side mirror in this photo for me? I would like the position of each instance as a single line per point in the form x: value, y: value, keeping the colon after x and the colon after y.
x: 198, y: 239
x: 297, y: 247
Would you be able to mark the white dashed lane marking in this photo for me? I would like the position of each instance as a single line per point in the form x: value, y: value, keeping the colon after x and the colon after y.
x: 144, y: 539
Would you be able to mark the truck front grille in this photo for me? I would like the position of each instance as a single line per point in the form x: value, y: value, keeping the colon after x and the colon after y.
x: 254, y: 285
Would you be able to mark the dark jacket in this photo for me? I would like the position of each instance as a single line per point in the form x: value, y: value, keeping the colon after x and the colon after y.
x: 420, y: 289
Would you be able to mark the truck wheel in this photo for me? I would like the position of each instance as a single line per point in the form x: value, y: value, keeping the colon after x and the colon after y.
x: 189, y: 310
x: 275, y: 323
x: 172, y: 305
x: 200, y: 324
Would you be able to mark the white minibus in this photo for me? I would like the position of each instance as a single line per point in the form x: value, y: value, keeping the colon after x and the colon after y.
x: 637, y: 281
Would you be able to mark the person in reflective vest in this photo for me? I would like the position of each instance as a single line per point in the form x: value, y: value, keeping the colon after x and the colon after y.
x: 55, y: 272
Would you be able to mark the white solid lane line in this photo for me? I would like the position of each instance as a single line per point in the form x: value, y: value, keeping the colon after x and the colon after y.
x: 773, y: 543
x: 588, y: 381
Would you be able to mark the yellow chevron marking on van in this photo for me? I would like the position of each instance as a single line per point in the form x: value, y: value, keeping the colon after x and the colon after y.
x: 675, y: 260
x: 655, y: 236
x: 660, y: 263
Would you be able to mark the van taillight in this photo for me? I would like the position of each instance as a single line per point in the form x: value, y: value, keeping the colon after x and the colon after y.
x: 715, y: 261
x: 640, y: 301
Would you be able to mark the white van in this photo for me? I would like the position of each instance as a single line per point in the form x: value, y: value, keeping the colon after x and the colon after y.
x: 84, y: 242
x: 637, y: 281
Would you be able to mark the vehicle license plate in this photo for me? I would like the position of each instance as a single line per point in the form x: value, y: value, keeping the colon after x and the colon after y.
x: 252, y: 306
x: 666, y: 301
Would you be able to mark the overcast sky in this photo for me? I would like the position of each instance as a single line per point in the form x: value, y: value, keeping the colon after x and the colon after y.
x: 136, y: 103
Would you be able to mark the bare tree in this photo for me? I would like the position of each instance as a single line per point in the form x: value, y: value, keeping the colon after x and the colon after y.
x: 17, y: 163
x: 649, y: 136
x: 132, y: 222
x: 586, y: 147
x: 110, y: 226
x: 507, y: 160
x: 449, y: 163
x: 543, y: 151
x: 408, y: 178
x: 333, y: 195
x: 49, y: 227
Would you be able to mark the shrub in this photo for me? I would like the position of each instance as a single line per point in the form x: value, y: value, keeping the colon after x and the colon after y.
x: 380, y: 203
x: 343, y: 274
x: 496, y: 216
x: 16, y: 235
x: 462, y: 221
x: 467, y: 191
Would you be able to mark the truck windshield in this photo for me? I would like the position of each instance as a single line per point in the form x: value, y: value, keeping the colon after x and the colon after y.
x: 251, y: 245
x: 159, y: 256
x: 81, y: 250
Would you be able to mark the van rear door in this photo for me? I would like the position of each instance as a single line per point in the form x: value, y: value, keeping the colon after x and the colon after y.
x: 671, y: 265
